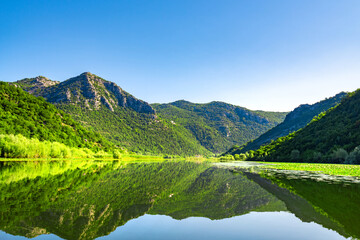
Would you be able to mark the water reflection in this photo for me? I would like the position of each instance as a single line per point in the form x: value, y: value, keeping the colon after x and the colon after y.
x: 87, y: 200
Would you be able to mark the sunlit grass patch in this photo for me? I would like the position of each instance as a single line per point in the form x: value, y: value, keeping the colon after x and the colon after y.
x: 331, y: 169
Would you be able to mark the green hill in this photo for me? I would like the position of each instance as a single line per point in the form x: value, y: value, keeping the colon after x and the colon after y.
x: 105, y: 108
x: 217, y: 125
x: 33, y: 117
x: 333, y: 136
x: 295, y: 120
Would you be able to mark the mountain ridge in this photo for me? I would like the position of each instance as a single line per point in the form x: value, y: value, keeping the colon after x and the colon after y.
x: 331, y: 137
x: 107, y: 109
x: 218, y: 125
x: 294, y: 120
x: 86, y: 89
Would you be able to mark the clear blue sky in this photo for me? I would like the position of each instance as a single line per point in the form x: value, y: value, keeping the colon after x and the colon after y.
x: 267, y: 55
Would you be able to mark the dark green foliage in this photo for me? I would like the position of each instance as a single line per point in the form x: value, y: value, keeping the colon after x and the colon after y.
x: 137, y: 132
x: 33, y: 117
x: 294, y: 121
x: 217, y: 125
x: 330, y: 137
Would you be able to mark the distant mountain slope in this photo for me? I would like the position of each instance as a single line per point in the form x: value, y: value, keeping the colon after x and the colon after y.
x: 328, y: 138
x: 32, y: 117
x: 117, y: 115
x: 217, y: 125
x: 295, y: 120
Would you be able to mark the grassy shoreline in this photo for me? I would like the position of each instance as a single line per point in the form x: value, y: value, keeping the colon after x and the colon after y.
x: 123, y: 157
x: 326, y: 168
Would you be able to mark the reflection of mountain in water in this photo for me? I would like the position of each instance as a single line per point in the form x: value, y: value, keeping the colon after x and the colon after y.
x: 216, y: 194
x: 334, y: 205
x: 85, y: 201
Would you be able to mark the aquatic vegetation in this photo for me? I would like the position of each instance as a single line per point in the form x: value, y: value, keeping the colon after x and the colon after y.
x: 332, y: 169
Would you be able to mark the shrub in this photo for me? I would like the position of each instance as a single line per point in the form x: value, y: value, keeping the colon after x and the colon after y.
x: 354, y: 156
x: 240, y: 157
x: 295, y: 154
x: 227, y: 158
x: 317, y: 156
x: 340, y: 155
x: 116, y: 154
x: 18, y: 146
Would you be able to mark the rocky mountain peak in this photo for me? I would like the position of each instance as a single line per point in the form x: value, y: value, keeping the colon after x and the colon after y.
x: 41, y: 79
x: 35, y: 85
x: 89, y: 77
x: 86, y: 90
x: 86, y: 74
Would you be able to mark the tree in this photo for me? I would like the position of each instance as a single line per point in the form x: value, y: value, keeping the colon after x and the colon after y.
x: 354, y: 156
x: 295, y: 154
x: 340, y: 155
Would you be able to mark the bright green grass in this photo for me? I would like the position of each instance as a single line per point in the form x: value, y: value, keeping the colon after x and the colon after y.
x: 122, y: 157
x: 331, y: 169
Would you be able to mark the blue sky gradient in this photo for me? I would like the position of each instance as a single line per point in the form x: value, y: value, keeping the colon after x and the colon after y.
x: 267, y: 55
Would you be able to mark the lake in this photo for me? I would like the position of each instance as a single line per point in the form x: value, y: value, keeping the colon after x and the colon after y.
x: 173, y: 200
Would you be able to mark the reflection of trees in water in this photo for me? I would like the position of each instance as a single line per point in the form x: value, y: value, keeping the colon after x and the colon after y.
x: 85, y: 200
x: 336, y: 203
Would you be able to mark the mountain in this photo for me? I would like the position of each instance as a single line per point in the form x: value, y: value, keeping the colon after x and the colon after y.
x: 33, y: 117
x: 105, y: 108
x: 87, y: 90
x: 35, y: 85
x: 333, y: 136
x: 217, y: 125
x: 296, y: 119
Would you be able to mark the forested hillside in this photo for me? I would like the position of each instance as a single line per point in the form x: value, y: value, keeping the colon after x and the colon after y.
x: 296, y: 119
x: 138, y: 132
x: 217, y: 125
x: 107, y: 109
x: 33, y: 117
x: 333, y: 136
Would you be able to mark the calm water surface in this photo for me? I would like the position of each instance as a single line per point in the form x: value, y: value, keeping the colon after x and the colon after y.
x: 177, y: 200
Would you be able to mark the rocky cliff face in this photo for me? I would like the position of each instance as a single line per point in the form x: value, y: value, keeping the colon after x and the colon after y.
x: 126, y: 100
x: 86, y: 90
